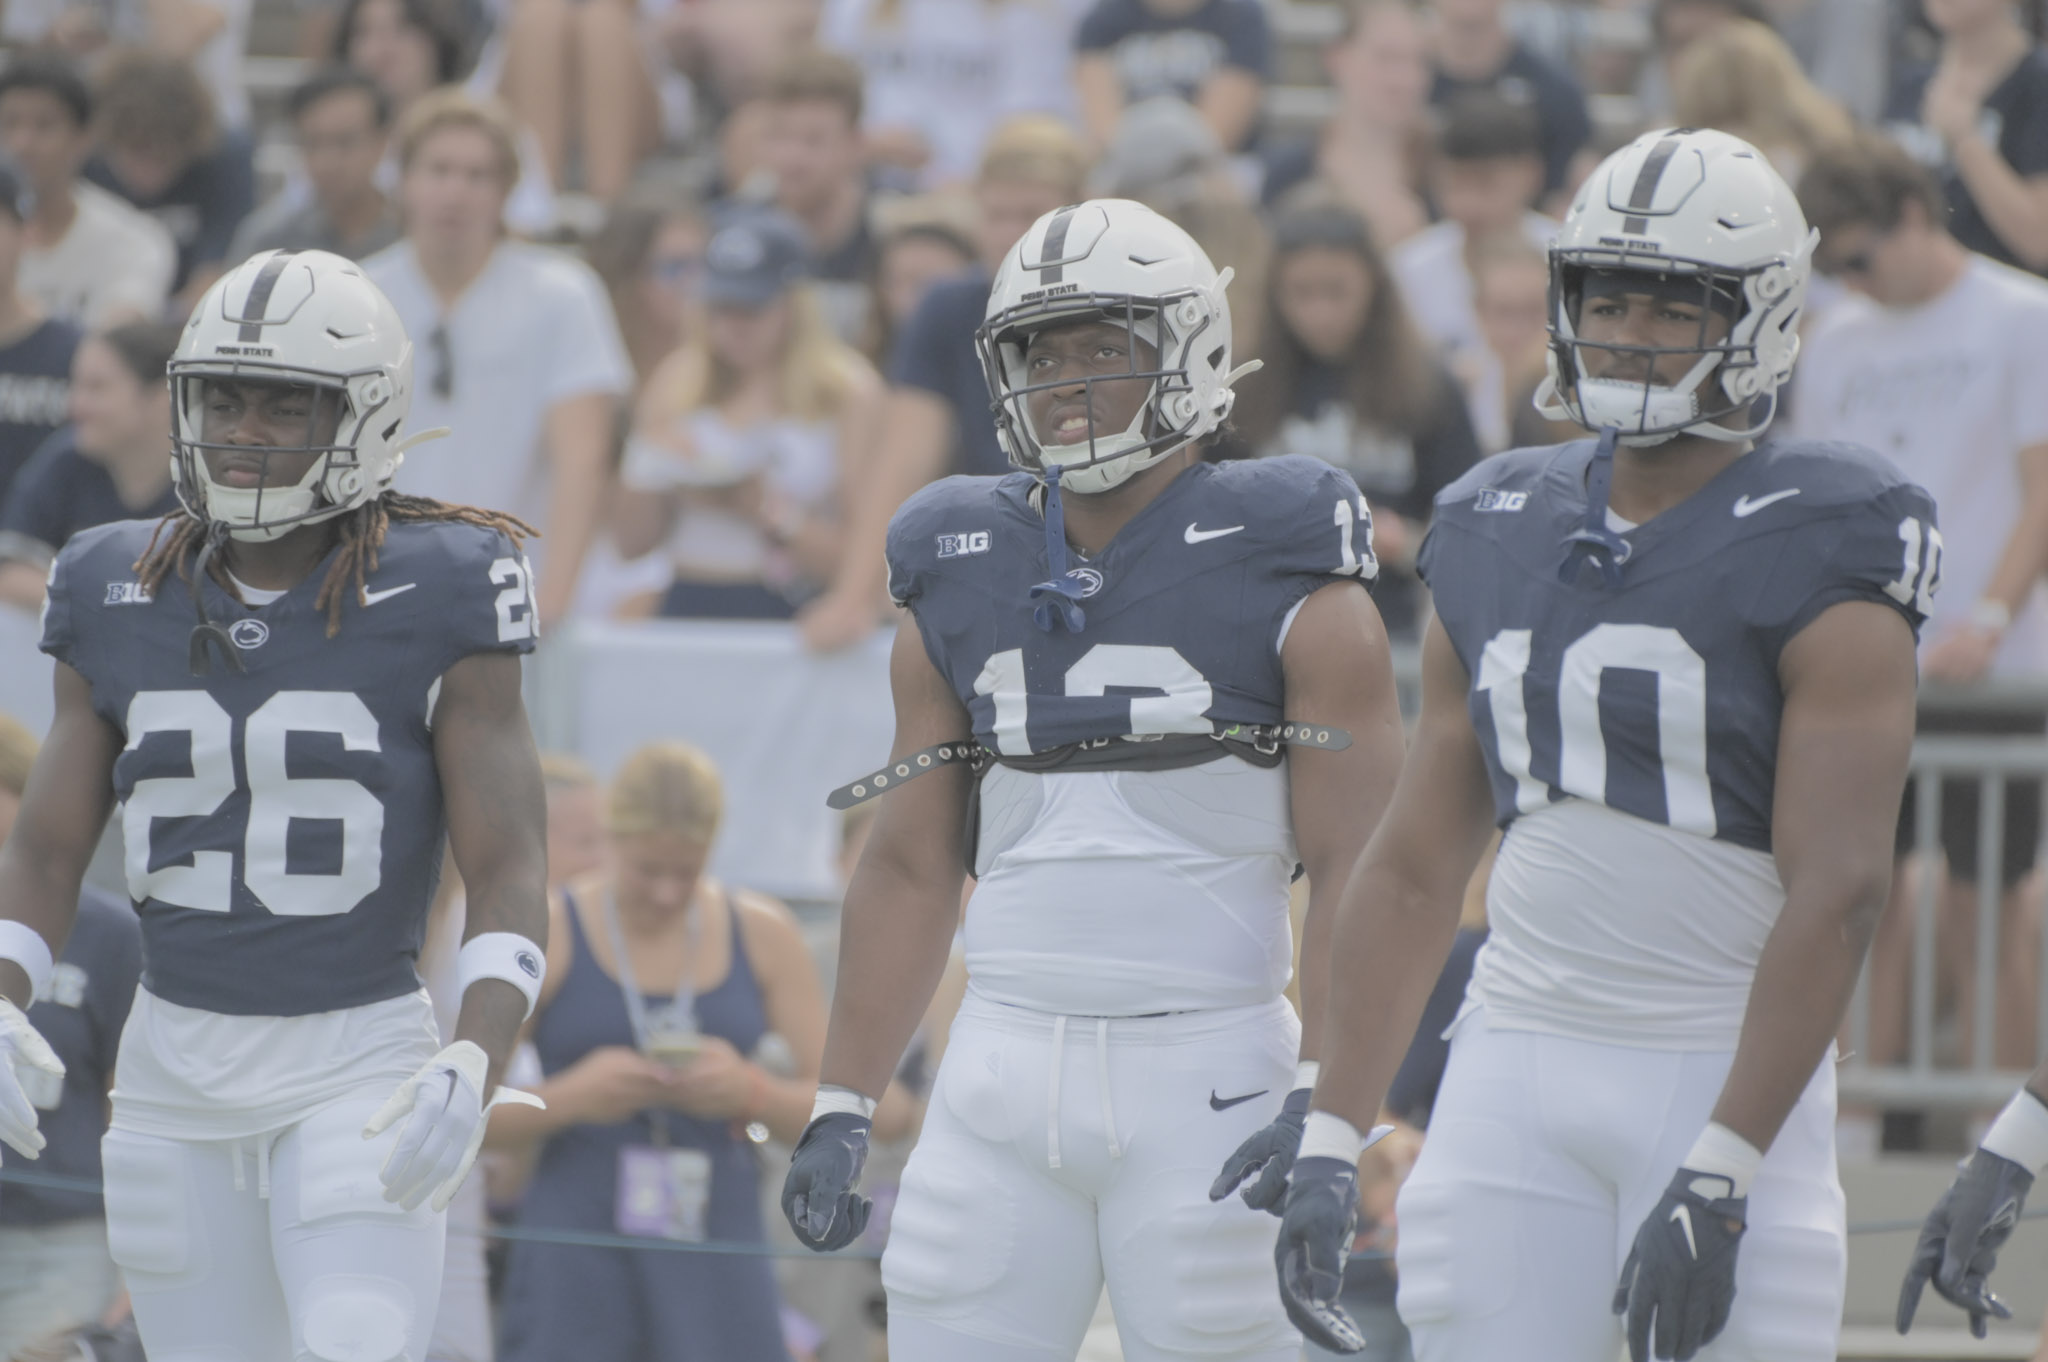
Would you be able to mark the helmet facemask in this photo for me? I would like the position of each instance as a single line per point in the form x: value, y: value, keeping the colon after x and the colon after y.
x: 1724, y: 394
x: 319, y: 417
x: 1170, y: 417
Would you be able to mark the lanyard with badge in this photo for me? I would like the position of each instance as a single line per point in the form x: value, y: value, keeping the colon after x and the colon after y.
x: 664, y: 1193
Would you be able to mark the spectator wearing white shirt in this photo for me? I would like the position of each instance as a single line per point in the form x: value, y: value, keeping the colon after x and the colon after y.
x: 1935, y: 362
x: 517, y: 350
x: 89, y: 259
x: 1487, y: 170
x: 942, y: 75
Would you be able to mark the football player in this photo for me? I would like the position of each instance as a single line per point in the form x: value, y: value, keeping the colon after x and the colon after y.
x: 293, y: 687
x: 1676, y: 666
x: 1959, y: 1244
x: 1116, y: 637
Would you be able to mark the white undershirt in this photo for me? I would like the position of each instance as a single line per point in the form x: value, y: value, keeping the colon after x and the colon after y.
x: 252, y: 595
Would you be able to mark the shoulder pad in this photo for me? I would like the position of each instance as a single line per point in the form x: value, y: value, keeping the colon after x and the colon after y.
x: 954, y: 517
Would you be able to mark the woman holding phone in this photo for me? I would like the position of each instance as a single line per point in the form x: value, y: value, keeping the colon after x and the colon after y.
x: 661, y: 982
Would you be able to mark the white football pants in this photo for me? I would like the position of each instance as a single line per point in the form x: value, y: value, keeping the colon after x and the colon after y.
x: 275, y: 1248
x: 1544, y: 1155
x: 1062, y: 1151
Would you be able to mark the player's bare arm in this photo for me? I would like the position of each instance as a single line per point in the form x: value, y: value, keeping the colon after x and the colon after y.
x: 69, y: 795
x: 497, y: 812
x: 1394, y: 925
x: 1393, y: 929
x: 1338, y: 674
x: 1849, y: 682
x: 41, y: 863
x: 904, y: 900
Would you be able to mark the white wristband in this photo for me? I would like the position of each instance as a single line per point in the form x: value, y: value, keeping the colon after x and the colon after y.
x: 1722, y: 1152
x: 502, y: 955
x: 1328, y: 1136
x: 833, y: 1098
x: 24, y: 945
x: 1306, y: 1073
x: 2021, y: 1132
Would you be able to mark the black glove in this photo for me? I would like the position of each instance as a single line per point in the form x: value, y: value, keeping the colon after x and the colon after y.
x: 1271, y: 1149
x: 817, y: 1196
x: 1681, y: 1271
x: 1317, y: 1224
x: 1959, y: 1243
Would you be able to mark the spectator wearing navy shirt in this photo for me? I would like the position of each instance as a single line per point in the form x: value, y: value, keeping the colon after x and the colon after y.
x: 1978, y: 117
x: 1473, y: 52
x: 1212, y: 53
x: 935, y: 419
x: 35, y: 348
x: 111, y: 463
x: 55, y: 1273
x: 162, y: 149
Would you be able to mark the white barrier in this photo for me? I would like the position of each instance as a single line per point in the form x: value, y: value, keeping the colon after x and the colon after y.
x: 785, y: 725
x: 24, y: 671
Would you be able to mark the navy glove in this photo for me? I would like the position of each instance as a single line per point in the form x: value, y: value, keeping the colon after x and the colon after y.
x: 1317, y: 1224
x: 818, y: 1196
x: 1681, y: 1271
x: 1269, y: 1153
x: 1959, y: 1243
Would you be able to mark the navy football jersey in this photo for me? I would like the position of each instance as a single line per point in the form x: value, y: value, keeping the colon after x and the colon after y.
x: 1660, y: 697
x: 283, y: 825
x: 1183, y: 609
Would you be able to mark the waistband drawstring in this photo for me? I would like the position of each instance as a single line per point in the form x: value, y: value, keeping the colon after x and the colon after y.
x: 1052, y: 1096
x: 1053, y: 1085
x: 1102, y: 1084
x: 240, y: 1150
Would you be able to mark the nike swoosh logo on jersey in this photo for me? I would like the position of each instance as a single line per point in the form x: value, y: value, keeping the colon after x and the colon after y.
x: 1226, y: 1103
x: 1683, y: 1215
x: 372, y: 597
x: 1745, y: 507
x: 1195, y: 536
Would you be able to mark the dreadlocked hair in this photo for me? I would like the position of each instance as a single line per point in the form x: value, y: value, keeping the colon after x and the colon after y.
x: 362, y: 534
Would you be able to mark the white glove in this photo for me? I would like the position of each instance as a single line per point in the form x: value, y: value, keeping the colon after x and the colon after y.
x: 21, y: 1044
x: 448, y: 1116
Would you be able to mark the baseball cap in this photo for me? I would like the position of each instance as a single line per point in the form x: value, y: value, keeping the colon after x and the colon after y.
x: 753, y: 257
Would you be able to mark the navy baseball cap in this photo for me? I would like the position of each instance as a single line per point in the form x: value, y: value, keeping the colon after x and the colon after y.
x: 753, y: 258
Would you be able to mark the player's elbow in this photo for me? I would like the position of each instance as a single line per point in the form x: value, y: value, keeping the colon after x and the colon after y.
x: 1849, y: 894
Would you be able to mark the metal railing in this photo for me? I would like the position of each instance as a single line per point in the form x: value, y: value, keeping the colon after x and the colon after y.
x: 1927, y: 1074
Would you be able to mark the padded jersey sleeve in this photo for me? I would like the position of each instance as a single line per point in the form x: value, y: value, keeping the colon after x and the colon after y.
x: 60, y: 635
x: 1886, y: 550
x: 488, y: 597
x: 1315, y: 529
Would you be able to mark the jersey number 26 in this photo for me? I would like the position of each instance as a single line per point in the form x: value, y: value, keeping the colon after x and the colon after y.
x: 275, y: 799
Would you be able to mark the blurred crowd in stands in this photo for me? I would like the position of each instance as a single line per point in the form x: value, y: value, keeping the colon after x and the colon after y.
x: 694, y: 283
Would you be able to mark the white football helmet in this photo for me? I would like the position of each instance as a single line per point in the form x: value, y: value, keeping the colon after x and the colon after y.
x: 1705, y: 214
x: 299, y: 318
x: 1111, y: 260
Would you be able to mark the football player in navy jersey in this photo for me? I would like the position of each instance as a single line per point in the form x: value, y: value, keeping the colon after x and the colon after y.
x: 293, y: 687
x: 1152, y: 667
x: 1676, y: 666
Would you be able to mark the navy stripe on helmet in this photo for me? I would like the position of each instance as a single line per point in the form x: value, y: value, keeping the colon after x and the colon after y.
x: 259, y: 296
x: 1054, y: 248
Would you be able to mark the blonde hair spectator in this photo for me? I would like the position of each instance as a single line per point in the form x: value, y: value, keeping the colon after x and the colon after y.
x: 1742, y: 79
x: 453, y: 107
x: 18, y: 748
x: 666, y: 789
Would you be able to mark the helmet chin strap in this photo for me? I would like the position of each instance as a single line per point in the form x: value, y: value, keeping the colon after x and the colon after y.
x: 1058, y: 599
x: 1595, y: 541
x: 206, y: 632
